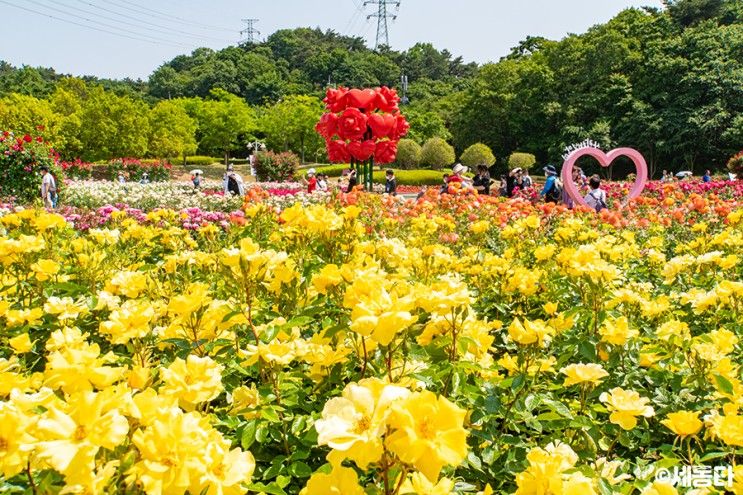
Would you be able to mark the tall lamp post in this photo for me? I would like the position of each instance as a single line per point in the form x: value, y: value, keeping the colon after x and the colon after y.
x: 404, y: 86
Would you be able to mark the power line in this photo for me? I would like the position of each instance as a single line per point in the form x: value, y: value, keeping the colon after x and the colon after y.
x: 112, y: 26
x: 126, y: 16
x: 92, y: 27
x: 354, y: 18
x: 383, y: 35
x: 250, y: 31
x: 169, y: 17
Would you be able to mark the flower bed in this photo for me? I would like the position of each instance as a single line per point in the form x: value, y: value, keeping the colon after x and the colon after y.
x: 370, y: 343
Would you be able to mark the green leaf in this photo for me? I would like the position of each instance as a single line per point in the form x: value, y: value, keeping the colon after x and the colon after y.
x: 248, y: 435
x: 300, y: 470
x: 724, y: 384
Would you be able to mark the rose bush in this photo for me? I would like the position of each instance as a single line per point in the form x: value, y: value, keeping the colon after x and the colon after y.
x: 21, y: 158
x: 453, y: 344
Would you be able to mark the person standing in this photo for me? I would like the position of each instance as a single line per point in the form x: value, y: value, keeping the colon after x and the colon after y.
x: 511, y: 181
x: 390, y: 183
x: 196, y: 179
x: 596, y: 198
x: 322, y: 183
x: 526, y: 180
x: 145, y: 179
x: 481, y: 182
x: 352, y: 181
x: 48, y: 188
x: 311, y: 181
x: 122, y: 179
x: 552, y: 190
x: 707, y: 177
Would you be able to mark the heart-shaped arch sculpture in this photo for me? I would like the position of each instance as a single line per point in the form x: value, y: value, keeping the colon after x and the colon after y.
x: 604, y: 159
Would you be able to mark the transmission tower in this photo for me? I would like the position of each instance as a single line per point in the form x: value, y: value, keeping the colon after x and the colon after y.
x: 250, y: 31
x: 383, y: 35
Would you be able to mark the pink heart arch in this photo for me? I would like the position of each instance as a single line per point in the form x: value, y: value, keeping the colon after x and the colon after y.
x: 604, y: 160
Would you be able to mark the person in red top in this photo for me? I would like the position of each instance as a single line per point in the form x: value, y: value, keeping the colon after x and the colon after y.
x: 456, y: 176
x: 311, y: 181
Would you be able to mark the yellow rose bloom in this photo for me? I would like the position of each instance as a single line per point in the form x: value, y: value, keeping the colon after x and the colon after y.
x: 625, y: 406
x: 195, y: 380
x: 21, y: 343
x: 428, y: 433
x: 583, y: 373
x: 683, y: 423
x: 340, y: 481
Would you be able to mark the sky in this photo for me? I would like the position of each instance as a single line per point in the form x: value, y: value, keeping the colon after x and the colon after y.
x: 133, y: 37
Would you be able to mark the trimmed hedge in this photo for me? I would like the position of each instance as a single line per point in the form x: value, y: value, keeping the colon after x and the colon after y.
x: 202, y: 160
x: 329, y: 170
x: 408, y: 154
x: 437, y: 154
x: 413, y: 177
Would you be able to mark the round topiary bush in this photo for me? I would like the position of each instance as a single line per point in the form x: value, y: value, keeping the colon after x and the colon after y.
x: 437, y: 154
x: 477, y: 154
x: 276, y: 167
x: 21, y: 159
x: 522, y: 160
x: 735, y: 165
x: 408, y: 154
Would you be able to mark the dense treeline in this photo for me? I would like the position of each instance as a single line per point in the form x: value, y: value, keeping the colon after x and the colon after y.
x: 668, y: 82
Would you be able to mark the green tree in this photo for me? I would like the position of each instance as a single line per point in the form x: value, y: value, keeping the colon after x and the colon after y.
x: 113, y: 126
x: 224, y: 122
x: 24, y: 114
x: 172, y: 130
x: 437, y: 154
x: 289, y: 125
x: 477, y: 154
x: 408, y: 154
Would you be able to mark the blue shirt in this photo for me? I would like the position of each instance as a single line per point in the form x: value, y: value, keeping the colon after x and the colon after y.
x: 706, y: 178
x: 548, y: 185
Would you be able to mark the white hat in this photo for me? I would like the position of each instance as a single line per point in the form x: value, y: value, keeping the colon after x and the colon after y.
x: 459, y: 169
x: 311, y: 171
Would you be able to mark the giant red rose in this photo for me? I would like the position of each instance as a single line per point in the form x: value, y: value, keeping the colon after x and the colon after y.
x: 402, y: 127
x: 385, y: 152
x: 382, y: 125
x: 335, y: 99
x: 337, y: 151
x: 362, y: 150
x: 387, y: 99
x: 328, y: 125
x: 352, y: 124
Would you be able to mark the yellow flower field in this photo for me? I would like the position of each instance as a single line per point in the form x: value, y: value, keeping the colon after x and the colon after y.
x: 365, y: 347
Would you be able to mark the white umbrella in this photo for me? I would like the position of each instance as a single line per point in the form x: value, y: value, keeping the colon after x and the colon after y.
x: 196, y: 171
x: 685, y: 173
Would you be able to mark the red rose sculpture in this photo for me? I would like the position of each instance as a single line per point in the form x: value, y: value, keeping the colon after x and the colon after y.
x: 361, y: 124
x: 385, y: 152
x: 337, y: 151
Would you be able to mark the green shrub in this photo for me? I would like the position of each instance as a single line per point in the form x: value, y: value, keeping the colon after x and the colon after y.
x: 329, y: 170
x: 202, y: 160
x: 157, y: 170
x: 735, y: 165
x: 21, y: 159
x: 270, y: 166
x: 437, y: 154
x: 413, y: 177
x: 477, y: 154
x: 523, y: 160
x: 408, y: 154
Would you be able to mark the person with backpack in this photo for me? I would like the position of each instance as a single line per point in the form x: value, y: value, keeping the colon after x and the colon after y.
x: 48, y: 188
x: 596, y: 198
x: 390, y: 183
x: 233, y: 183
x: 552, y: 190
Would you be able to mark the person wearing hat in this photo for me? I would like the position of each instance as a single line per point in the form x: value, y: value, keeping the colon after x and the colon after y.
x: 551, y: 190
x: 145, y: 179
x: 233, y: 182
x: 311, y: 181
x: 457, y: 175
x: 512, y: 181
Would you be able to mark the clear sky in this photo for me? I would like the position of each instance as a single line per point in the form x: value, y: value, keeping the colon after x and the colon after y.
x: 478, y: 30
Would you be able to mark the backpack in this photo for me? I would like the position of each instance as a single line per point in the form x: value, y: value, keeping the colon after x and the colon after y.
x: 555, y: 194
x: 232, y: 185
x: 600, y: 203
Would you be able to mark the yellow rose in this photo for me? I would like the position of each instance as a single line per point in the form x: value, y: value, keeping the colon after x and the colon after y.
x: 625, y: 406
x: 683, y: 423
x: 21, y: 343
x: 583, y: 373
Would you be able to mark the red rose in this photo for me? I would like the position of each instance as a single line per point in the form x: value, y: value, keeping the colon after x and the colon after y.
x: 362, y: 150
x: 385, y: 152
x: 362, y: 98
x: 39, y: 127
x: 387, y: 99
x: 402, y: 127
x: 328, y: 125
x: 335, y: 99
x: 337, y: 151
x: 39, y: 139
x: 27, y: 138
x: 382, y: 124
x: 352, y: 124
